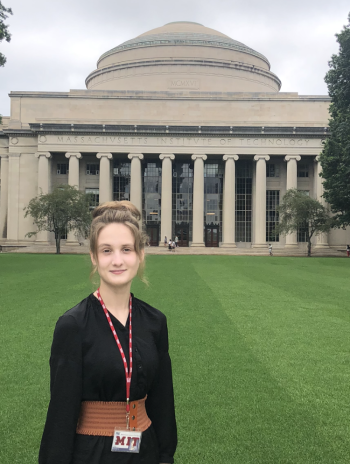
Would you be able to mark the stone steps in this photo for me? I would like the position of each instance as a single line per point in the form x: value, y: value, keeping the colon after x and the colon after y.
x: 161, y: 250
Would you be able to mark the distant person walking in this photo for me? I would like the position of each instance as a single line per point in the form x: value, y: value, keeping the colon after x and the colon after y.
x: 176, y: 241
x: 348, y: 250
x: 270, y: 250
x: 165, y: 241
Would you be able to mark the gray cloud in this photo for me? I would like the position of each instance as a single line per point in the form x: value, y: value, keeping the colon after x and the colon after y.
x: 55, y: 44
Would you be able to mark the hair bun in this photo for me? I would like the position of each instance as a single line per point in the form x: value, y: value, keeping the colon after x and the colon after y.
x: 124, y: 205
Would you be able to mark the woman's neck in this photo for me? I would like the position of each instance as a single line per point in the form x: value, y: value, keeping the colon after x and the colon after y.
x: 116, y: 300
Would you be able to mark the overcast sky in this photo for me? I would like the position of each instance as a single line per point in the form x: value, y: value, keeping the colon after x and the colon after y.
x: 56, y: 43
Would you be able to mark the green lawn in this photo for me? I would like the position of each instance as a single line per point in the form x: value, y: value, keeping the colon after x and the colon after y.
x: 260, y: 350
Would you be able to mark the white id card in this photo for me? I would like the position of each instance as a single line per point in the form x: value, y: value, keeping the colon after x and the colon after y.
x: 126, y: 441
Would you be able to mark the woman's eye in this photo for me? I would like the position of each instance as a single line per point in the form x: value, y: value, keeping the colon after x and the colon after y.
x: 127, y: 249
x: 106, y: 250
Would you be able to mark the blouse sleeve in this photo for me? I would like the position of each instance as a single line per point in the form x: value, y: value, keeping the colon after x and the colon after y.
x: 160, y: 402
x: 66, y: 388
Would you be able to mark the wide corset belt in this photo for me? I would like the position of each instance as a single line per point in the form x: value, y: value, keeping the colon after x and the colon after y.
x: 102, y: 418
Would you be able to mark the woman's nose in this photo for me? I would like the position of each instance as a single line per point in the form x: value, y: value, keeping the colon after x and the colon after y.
x: 117, y: 259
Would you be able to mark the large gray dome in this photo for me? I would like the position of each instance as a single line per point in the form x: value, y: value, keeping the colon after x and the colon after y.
x: 183, y: 55
x: 204, y: 37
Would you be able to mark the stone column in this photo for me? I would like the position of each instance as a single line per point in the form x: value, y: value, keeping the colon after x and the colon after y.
x: 73, y: 180
x: 292, y: 183
x: 136, y: 180
x: 13, y: 197
x: 321, y: 239
x: 260, y: 201
x: 73, y: 175
x: 166, y: 210
x: 43, y: 172
x: 198, y: 200
x: 105, y: 176
x: 44, y: 178
x: 229, y: 206
x: 4, y: 195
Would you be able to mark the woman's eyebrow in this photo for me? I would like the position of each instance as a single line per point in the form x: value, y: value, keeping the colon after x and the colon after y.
x: 108, y: 245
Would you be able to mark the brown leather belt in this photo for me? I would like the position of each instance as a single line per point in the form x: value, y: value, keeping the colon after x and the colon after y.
x: 102, y: 418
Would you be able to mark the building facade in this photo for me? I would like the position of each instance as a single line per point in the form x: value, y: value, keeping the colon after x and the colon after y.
x: 183, y: 121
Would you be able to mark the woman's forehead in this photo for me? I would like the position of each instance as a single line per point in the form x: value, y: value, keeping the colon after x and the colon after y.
x: 115, y: 232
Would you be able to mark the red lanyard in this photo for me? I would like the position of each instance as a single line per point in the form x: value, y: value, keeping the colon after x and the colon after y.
x: 127, y: 372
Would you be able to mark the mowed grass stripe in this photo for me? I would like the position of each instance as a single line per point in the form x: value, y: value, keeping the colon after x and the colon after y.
x: 226, y: 364
x: 297, y: 338
x: 246, y: 370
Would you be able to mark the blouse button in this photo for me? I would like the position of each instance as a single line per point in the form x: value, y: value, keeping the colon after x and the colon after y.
x: 133, y: 406
x: 133, y: 417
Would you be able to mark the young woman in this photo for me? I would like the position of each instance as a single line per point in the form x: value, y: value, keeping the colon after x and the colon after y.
x: 111, y: 381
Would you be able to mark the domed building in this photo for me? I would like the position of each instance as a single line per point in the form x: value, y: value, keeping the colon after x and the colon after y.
x: 184, y: 121
x: 183, y: 55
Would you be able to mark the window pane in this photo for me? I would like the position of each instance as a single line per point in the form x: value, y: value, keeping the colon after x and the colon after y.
x: 213, y: 195
x: 272, y: 219
x: 121, y: 180
x: 243, y: 200
x: 151, y: 193
x: 182, y: 199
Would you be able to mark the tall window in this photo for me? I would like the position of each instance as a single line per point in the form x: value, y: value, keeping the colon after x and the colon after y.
x: 304, y: 228
x: 182, y: 196
x: 302, y: 233
x: 272, y: 201
x: 94, y: 197
x: 152, y: 188
x: 62, y: 168
x: 272, y: 170
x: 244, y: 175
x: 64, y: 236
x: 121, y: 180
x: 92, y: 169
x: 303, y: 170
x: 213, y: 189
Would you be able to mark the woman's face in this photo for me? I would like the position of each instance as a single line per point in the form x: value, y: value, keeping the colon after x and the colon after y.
x: 117, y: 260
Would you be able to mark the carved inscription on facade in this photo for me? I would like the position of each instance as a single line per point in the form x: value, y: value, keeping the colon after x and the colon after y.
x: 184, y: 83
x: 181, y: 141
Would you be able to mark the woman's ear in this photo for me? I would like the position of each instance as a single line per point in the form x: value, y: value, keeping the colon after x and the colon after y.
x: 93, y: 259
x: 142, y: 256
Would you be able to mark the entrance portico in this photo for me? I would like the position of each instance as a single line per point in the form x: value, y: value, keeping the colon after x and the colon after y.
x: 182, y: 174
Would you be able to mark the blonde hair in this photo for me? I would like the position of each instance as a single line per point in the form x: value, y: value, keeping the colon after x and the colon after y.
x: 120, y: 212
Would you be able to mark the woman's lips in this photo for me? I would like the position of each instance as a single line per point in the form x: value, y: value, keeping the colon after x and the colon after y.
x: 118, y: 272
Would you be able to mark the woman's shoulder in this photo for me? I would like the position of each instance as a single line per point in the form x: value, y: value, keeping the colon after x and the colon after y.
x: 68, y: 331
x: 76, y: 315
x: 148, y: 309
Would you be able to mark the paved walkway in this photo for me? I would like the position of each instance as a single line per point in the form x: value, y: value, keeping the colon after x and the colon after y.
x: 161, y: 250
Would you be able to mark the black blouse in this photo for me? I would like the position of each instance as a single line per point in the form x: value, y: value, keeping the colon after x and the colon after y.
x: 85, y: 364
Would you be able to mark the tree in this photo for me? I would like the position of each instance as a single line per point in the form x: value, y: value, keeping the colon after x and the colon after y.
x: 335, y: 158
x: 63, y: 210
x: 4, y: 33
x: 297, y: 210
